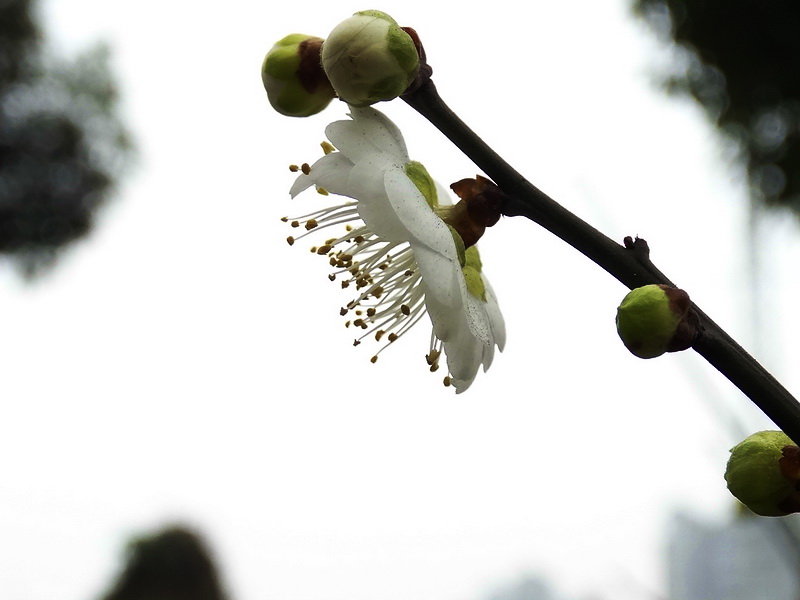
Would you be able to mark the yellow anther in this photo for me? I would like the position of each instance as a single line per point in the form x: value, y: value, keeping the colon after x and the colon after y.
x: 433, y: 357
x: 447, y: 381
x: 323, y: 249
x: 374, y: 359
x: 371, y: 312
x: 311, y: 223
x: 294, y: 168
x: 305, y: 168
x: 322, y: 191
x: 379, y: 335
x: 295, y: 223
x: 392, y: 337
x: 284, y: 219
x: 327, y: 147
x: 290, y: 240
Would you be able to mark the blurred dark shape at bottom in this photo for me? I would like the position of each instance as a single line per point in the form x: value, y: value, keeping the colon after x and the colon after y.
x: 747, y: 558
x: 173, y: 564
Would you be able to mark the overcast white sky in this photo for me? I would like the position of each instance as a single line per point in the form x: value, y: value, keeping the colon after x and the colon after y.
x: 185, y: 364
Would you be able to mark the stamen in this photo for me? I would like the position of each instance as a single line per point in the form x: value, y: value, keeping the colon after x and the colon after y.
x: 305, y: 168
x: 390, y: 297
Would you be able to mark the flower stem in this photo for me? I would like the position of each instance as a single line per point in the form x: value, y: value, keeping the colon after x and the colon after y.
x: 629, y: 263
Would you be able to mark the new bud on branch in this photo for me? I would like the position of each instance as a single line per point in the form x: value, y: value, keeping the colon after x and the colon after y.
x: 293, y: 77
x: 655, y: 319
x: 369, y: 58
x: 764, y: 474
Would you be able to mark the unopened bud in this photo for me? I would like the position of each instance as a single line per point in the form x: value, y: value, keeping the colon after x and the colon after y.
x: 655, y: 319
x: 763, y: 472
x: 369, y: 58
x: 293, y: 77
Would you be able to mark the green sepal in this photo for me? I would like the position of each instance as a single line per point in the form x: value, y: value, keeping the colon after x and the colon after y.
x: 460, y: 251
x: 474, y: 281
x: 402, y: 47
x: 422, y: 180
x: 474, y: 258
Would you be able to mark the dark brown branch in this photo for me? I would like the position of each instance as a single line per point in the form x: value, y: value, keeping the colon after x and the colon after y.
x: 630, y: 263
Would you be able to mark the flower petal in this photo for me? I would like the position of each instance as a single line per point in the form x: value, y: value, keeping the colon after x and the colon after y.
x: 368, y: 134
x: 367, y: 185
x: 496, y: 321
x: 421, y: 223
x: 464, y: 355
x: 329, y: 172
x: 440, y: 280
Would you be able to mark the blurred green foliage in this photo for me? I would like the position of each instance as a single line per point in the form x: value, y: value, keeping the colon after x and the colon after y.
x: 62, y: 146
x: 741, y: 61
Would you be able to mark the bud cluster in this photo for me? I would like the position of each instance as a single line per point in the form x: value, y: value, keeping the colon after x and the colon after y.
x: 365, y: 59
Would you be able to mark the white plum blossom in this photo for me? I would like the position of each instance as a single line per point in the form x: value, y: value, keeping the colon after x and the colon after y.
x: 399, y: 254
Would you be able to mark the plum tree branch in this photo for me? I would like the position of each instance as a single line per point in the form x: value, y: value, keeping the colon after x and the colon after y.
x: 629, y: 263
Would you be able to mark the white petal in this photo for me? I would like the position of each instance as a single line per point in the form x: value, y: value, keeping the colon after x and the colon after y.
x: 373, y: 204
x: 369, y: 133
x: 422, y: 224
x: 488, y: 357
x: 496, y: 321
x: 464, y: 355
x: 440, y: 280
x: 475, y: 313
x: 330, y: 172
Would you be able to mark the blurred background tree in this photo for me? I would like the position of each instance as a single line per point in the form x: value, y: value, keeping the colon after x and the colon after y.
x: 742, y: 64
x: 62, y: 146
x: 173, y: 564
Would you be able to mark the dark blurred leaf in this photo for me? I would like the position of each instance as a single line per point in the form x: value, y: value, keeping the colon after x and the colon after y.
x: 742, y: 63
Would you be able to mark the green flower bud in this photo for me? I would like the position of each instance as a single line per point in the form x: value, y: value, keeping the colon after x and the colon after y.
x: 655, y: 319
x: 763, y: 472
x: 369, y: 58
x: 293, y: 77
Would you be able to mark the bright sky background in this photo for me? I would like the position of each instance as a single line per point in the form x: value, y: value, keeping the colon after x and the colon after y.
x: 185, y: 364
